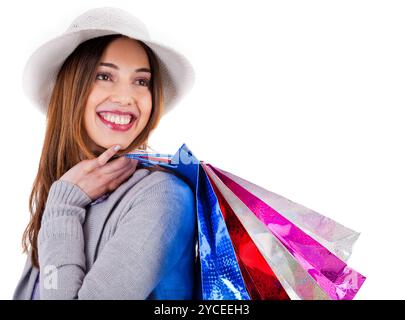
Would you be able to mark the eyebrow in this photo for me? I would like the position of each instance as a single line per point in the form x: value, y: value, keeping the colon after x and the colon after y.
x: 112, y: 65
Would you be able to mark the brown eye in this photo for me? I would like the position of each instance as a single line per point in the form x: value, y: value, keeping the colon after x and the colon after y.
x: 101, y: 76
x: 144, y: 82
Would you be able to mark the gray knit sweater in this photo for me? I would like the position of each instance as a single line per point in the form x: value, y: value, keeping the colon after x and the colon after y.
x: 139, y: 243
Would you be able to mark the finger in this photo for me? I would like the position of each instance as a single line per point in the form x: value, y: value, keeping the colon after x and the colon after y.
x: 111, y: 172
x: 130, y: 166
x: 115, y: 165
x: 102, y: 159
x: 115, y: 183
x: 104, y: 178
x: 115, y: 179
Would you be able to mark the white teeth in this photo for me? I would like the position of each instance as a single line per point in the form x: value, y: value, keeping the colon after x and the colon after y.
x: 115, y: 118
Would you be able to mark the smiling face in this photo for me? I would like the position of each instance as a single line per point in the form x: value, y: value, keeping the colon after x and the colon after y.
x: 121, y: 93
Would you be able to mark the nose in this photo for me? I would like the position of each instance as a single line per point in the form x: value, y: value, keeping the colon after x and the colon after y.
x: 123, y: 99
x: 123, y: 94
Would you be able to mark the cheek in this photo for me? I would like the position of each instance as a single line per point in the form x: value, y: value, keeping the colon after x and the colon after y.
x: 146, y: 110
x: 94, y: 98
x: 87, y: 113
x: 90, y: 110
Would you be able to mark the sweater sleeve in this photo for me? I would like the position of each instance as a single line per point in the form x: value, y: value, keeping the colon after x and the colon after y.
x: 60, y: 241
x: 149, y: 240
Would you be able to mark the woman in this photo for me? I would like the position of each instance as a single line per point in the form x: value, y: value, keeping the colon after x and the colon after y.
x: 102, y: 226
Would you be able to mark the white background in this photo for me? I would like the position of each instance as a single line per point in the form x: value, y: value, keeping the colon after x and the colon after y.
x: 304, y: 98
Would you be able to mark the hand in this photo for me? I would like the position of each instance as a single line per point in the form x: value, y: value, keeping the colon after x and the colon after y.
x: 97, y: 177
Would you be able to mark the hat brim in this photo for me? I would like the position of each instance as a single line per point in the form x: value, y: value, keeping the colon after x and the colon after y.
x: 42, y: 67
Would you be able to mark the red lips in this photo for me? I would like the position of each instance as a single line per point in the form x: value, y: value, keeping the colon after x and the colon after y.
x: 119, y: 112
x: 116, y: 126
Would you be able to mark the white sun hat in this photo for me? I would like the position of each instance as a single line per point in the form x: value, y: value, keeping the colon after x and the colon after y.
x: 43, y: 65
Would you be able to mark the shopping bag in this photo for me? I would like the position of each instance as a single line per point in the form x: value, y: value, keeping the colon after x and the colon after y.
x: 334, y: 276
x: 296, y: 281
x: 265, y: 254
x: 220, y: 274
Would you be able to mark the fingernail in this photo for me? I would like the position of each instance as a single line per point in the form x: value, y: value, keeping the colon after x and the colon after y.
x: 117, y: 147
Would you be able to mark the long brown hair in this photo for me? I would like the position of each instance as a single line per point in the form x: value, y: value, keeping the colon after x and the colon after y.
x: 66, y: 140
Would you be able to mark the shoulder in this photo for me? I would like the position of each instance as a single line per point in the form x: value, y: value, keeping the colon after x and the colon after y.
x: 163, y: 193
x: 162, y: 182
x: 163, y: 208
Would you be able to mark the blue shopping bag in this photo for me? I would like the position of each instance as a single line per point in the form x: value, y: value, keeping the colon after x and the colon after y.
x: 218, y: 275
